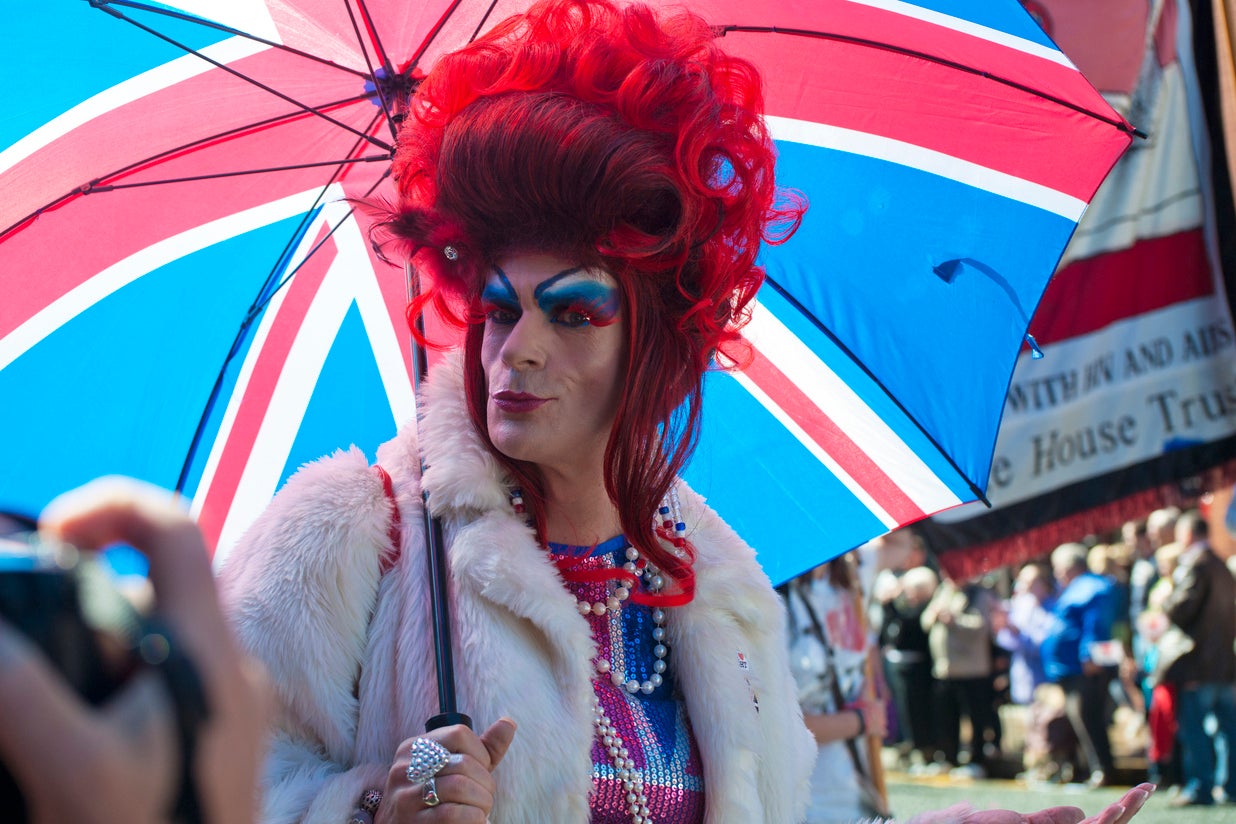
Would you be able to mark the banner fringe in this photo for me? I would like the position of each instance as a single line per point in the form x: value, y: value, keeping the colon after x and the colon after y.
x: 968, y: 562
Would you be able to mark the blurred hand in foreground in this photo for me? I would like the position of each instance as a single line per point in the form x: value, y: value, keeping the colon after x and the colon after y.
x: 1121, y: 812
x: 121, y: 762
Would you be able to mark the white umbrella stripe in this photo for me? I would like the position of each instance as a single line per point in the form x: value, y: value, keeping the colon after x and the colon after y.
x: 350, y: 278
x: 289, y: 400
x: 810, y: 444
x: 927, y: 160
x: 68, y: 306
x: 859, y: 422
x: 135, y: 88
x: 245, y: 374
x: 382, y: 330
x: 288, y: 403
x: 967, y: 27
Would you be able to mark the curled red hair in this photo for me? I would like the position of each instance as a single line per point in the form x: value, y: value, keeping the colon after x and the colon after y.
x: 619, y: 137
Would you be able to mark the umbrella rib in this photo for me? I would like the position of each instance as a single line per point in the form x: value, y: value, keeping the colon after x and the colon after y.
x: 167, y: 12
x: 484, y: 18
x: 91, y: 188
x: 270, y: 287
x: 429, y: 38
x: 386, y: 64
x: 372, y: 29
x: 250, y: 315
x: 286, y: 278
x: 862, y: 41
x: 810, y: 317
x: 96, y: 185
x: 220, y: 137
x: 268, y: 291
x: 257, y: 307
x: 36, y: 214
x: 102, y: 5
x: 446, y: 15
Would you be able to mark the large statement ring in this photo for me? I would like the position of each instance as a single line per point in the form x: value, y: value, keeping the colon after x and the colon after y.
x: 427, y: 759
x: 430, y: 796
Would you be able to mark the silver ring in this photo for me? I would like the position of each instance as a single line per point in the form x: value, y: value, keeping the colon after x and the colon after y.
x: 430, y: 795
x: 426, y: 760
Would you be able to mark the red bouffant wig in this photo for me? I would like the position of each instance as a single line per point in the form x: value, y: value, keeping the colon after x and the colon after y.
x: 618, y: 137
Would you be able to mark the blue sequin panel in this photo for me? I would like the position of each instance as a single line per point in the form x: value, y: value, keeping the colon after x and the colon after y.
x: 655, y: 728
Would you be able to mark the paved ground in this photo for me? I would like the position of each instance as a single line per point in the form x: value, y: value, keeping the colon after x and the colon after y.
x: 911, y: 795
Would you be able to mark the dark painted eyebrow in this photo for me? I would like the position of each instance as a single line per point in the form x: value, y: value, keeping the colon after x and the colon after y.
x: 548, y: 282
x: 505, y: 280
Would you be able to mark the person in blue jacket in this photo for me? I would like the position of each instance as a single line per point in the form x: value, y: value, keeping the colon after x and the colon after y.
x: 1084, y: 613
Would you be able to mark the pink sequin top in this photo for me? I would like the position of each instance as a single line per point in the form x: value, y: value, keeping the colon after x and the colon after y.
x: 655, y: 728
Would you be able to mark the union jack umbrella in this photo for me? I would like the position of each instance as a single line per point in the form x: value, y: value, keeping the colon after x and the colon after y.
x: 188, y: 298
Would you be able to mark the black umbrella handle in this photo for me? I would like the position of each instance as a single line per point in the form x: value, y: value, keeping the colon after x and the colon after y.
x: 447, y: 719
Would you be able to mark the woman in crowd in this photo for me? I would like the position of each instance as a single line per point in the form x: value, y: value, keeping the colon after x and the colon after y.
x: 586, y: 188
x: 829, y: 651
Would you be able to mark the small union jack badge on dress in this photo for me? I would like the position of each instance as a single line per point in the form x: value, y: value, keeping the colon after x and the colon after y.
x: 744, y: 664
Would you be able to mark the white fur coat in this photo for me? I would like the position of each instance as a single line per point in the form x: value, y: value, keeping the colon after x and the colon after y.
x: 301, y: 587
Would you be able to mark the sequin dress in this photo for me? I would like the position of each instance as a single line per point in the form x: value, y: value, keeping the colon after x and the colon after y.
x: 655, y: 727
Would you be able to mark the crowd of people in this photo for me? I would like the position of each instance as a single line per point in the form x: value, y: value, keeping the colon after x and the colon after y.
x: 1143, y: 625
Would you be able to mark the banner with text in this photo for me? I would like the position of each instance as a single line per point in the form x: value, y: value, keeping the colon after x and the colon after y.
x: 1134, y: 394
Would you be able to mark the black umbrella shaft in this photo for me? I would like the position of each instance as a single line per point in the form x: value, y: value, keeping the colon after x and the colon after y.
x: 435, y: 555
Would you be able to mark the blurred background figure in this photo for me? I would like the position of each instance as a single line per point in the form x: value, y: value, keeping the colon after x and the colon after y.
x: 1142, y: 572
x: 1159, y: 695
x: 1158, y: 531
x: 890, y: 556
x: 1025, y: 623
x: 1083, y: 613
x: 1114, y: 562
x: 1202, y: 604
x: 1161, y: 526
x: 1125, y: 713
x: 895, y: 553
x: 907, y: 662
x: 829, y: 656
x: 959, y: 632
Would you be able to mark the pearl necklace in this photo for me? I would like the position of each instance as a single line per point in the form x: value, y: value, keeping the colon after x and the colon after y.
x: 670, y: 521
x: 669, y: 518
x: 616, y: 675
x: 632, y: 781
